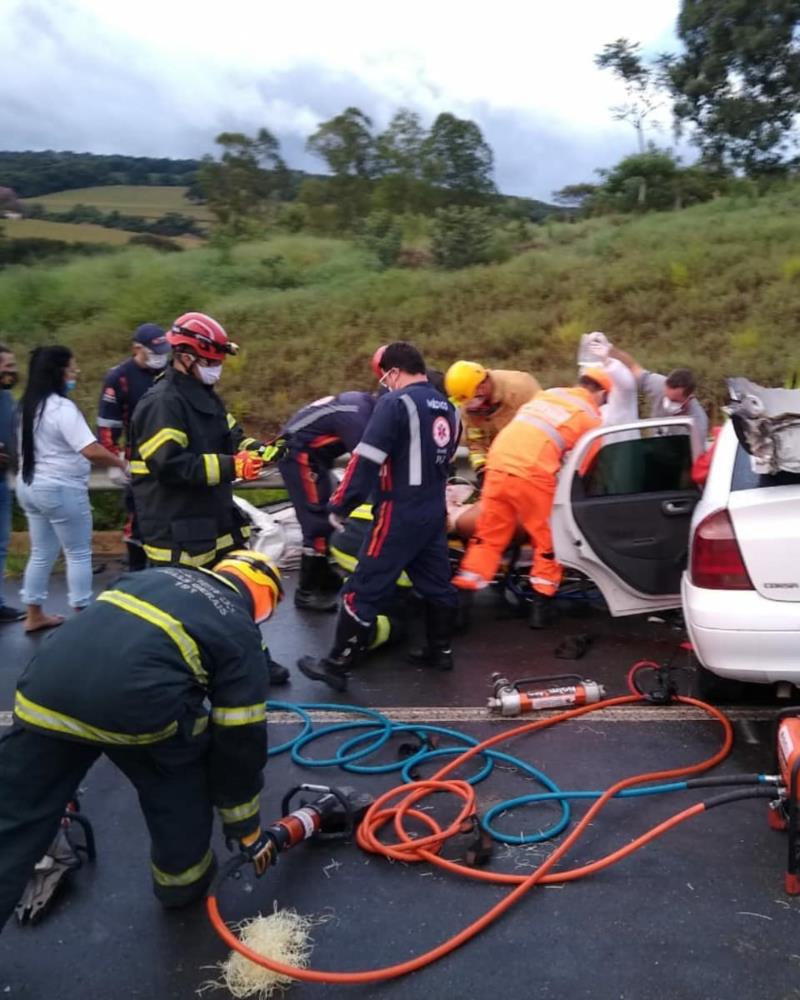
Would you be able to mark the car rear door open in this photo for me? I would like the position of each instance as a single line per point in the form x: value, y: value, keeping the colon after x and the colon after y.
x: 623, y: 511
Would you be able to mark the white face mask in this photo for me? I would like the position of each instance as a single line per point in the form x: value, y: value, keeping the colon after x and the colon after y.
x: 384, y: 382
x: 670, y: 407
x: 211, y: 374
x: 155, y: 362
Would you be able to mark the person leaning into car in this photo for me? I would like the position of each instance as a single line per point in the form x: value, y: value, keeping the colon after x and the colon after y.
x: 670, y: 395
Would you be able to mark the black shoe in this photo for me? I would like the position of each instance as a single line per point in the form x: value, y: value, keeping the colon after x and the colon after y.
x: 440, y: 620
x: 9, y: 614
x: 278, y: 674
x: 542, y: 612
x: 427, y: 656
x: 315, y: 591
x: 334, y: 674
x: 315, y: 600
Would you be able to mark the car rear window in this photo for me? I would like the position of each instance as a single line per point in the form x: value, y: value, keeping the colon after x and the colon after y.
x: 745, y: 479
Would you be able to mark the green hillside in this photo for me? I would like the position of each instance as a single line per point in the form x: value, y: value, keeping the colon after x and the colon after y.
x: 151, y: 202
x: 716, y: 287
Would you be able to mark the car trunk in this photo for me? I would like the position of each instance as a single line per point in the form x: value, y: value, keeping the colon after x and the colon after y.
x: 767, y: 526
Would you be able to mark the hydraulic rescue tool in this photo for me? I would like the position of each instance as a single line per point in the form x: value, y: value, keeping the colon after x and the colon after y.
x: 784, y: 812
x: 333, y: 815
x: 56, y: 865
x: 558, y: 691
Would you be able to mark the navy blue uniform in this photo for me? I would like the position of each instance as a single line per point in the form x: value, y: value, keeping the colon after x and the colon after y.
x: 315, y: 437
x: 401, y: 461
x: 123, y: 387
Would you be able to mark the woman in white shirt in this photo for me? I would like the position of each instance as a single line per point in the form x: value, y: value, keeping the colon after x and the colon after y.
x: 56, y: 449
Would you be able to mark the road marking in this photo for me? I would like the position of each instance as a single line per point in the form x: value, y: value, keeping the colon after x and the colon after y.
x: 677, y: 713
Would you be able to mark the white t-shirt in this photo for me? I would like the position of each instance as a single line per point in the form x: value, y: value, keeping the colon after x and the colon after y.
x: 60, y: 432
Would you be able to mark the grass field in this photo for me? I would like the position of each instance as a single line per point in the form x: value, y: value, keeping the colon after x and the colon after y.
x: 72, y: 232
x: 715, y: 287
x: 68, y: 231
x: 149, y: 202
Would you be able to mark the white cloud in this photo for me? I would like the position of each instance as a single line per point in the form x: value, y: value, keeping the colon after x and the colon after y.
x: 100, y: 70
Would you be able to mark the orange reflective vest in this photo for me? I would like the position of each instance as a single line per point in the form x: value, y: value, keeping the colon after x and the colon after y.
x: 509, y: 391
x: 534, y: 443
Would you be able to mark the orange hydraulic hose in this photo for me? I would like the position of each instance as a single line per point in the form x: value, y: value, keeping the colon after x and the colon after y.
x: 410, y: 849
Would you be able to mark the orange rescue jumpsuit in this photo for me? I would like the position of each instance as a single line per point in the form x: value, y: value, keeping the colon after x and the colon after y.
x: 509, y: 391
x: 520, y: 485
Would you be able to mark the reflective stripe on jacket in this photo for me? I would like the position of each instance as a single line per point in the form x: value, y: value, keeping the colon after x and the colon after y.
x: 535, y: 441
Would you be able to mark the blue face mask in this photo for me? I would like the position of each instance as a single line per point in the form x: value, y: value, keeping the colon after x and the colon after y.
x: 70, y: 384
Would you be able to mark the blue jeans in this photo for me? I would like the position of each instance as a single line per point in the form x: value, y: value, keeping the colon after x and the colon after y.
x: 5, y: 529
x: 59, y: 517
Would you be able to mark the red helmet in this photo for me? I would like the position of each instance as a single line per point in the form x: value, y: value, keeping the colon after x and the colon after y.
x: 375, y: 363
x: 203, y: 335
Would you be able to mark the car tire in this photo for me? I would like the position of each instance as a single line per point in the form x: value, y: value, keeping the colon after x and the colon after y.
x: 713, y: 688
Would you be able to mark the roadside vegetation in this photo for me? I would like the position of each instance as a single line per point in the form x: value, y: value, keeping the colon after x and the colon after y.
x: 716, y: 286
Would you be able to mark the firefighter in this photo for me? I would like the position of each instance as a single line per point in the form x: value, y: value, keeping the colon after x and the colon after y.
x: 402, y: 462
x: 313, y: 439
x: 488, y: 399
x: 521, y: 475
x: 123, y: 387
x: 186, y: 451
x: 131, y: 677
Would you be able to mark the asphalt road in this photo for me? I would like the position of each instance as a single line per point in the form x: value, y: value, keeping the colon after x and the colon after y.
x: 700, y: 913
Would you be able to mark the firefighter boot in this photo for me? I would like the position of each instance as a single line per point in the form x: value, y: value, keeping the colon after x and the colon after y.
x: 278, y: 674
x: 542, y: 611
x: 352, y: 637
x: 312, y: 593
x: 440, y: 623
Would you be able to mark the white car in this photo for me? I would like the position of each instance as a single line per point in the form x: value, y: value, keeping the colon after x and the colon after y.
x: 636, y: 525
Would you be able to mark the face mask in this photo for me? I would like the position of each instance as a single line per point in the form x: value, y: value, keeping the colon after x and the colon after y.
x: 70, y: 384
x: 8, y: 380
x: 155, y: 362
x: 384, y: 382
x: 210, y: 375
x: 670, y: 407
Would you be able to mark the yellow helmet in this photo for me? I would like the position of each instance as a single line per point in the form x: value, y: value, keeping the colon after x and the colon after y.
x: 462, y: 379
x: 258, y: 576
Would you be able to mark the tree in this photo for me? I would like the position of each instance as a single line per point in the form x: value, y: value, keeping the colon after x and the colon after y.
x: 575, y: 195
x: 346, y: 144
x: 643, y: 84
x: 459, y: 160
x: 248, y: 176
x: 399, y: 155
x: 738, y: 80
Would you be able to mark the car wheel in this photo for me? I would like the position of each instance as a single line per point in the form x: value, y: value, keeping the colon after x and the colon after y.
x: 713, y: 688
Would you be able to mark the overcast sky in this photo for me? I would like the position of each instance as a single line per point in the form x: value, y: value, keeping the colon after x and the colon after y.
x: 163, y: 77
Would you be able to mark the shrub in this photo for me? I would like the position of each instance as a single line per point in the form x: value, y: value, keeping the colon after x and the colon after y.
x: 460, y: 237
x: 381, y: 236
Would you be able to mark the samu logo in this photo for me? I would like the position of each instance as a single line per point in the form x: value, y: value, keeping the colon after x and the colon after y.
x: 441, y: 432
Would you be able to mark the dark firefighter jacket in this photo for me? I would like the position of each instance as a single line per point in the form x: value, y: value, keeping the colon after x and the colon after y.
x: 183, y: 443
x: 142, y: 664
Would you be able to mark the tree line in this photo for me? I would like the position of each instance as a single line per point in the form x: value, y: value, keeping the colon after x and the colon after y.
x: 32, y: 174
x: 732, y: 90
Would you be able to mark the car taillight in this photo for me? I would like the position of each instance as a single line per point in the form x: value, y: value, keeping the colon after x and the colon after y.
x: 717, y: 562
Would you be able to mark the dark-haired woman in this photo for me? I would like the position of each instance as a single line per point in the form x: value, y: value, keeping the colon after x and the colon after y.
x: 56, y: 449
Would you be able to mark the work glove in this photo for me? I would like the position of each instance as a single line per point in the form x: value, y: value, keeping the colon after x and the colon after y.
x: 336, y: 521
x: 599, y: 346
x: 120, y: 477
x: 274, y: 451
x: 480, y: 475
x: 260, y: 850
x: 247, y: 465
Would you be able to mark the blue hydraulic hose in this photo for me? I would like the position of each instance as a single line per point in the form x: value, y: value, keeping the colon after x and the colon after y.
x: 379, y: 730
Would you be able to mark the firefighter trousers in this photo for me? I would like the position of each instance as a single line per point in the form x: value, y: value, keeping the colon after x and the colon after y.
x: 39, y: 775
x: 309, y: 483
x: 507, y: 501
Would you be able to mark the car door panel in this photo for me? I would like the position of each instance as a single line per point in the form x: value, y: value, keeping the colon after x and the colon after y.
x: 623, y: 515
